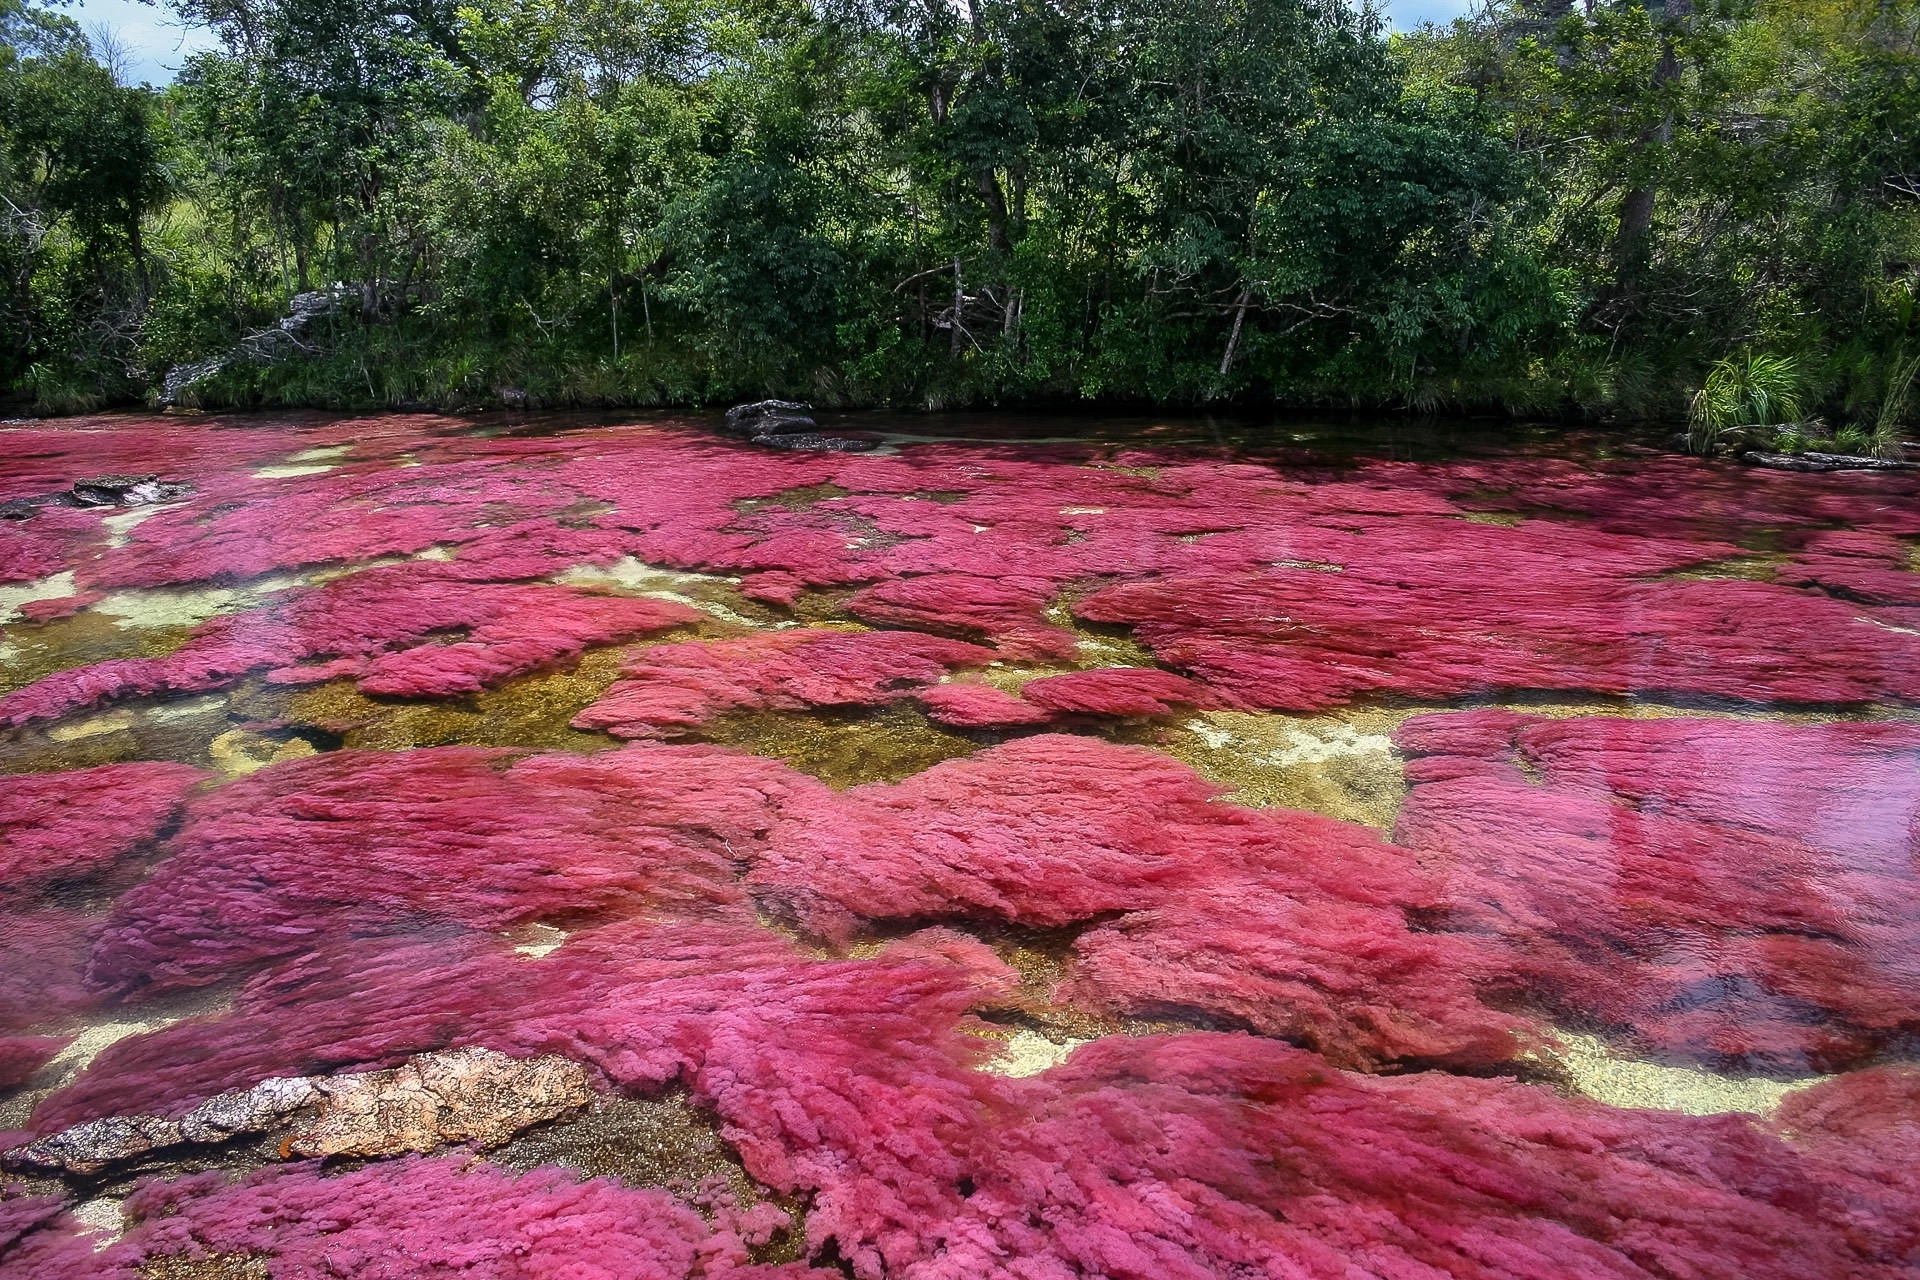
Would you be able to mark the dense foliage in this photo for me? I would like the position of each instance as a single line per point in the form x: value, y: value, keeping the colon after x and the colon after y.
x: 923, y: 202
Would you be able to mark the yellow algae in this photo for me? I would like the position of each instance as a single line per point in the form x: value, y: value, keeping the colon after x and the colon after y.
x: 166, y: 607
x: 102, y: 1218
x: 207, y: 1266
x: 120, y: 524
x: 643, y: 1142
x: 1592, y: 1069
x: 1011, y: 677
x: 798, y: 498
x: 843, y: 748
x: 144, y: 730
x: 55, y: 586
x: 238, y: 752
x: 1343, y: 764
x: 308, y: 462
x: 529, y: 711
x: 536, y: 941
x: 819, y: 605
x: 713, y: 594
x: 116, y: 721
x: 1759, y: 567
x: 291, y: 470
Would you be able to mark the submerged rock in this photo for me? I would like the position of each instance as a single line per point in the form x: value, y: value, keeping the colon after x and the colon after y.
x: 463, y: 1095
x: 814, y: 442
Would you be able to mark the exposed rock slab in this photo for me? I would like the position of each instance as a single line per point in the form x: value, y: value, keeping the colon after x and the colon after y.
x: 460, y: 1095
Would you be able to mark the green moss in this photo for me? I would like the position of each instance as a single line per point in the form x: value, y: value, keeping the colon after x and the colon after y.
x: 845, y: 747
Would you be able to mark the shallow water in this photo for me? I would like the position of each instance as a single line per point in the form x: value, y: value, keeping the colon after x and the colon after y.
x: 1038, y: 847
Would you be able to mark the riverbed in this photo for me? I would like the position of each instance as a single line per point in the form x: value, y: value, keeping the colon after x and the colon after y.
x: 594, y: 846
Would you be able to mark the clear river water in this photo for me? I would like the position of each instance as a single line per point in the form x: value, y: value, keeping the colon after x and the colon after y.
x: 593, y: 846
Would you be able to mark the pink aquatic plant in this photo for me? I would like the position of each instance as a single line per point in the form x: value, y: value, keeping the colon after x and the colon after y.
x: 968, y: 705
x: 1192, y: 1155
x: 1279, y: 589
x: 672, y: 689
x: 1288, y: 922
x: 354, y: 842
x: 408, y: 1219
x: 1739, y: 891
x: 77, y: 824
x: 405, y: 631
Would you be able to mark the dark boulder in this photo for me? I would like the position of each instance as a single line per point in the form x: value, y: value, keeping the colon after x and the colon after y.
x: 125, y: 491
x: 769, y: 417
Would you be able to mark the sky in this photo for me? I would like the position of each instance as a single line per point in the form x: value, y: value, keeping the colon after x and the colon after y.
x: 156, y: 44
x: 1408, y: 14
x: 153, y: 38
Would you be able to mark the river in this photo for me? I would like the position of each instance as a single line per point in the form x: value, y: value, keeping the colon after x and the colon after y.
x: 592, y: 846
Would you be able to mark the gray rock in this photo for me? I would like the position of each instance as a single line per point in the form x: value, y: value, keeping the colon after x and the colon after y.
x: 1825, y: 462
x: 746, y: 419
x: 252, y: 1110
x: 815, y: 442
x: 780, y: 424
x: 460, y: 1095
x: 97, y: 1144
x: 126, y: 491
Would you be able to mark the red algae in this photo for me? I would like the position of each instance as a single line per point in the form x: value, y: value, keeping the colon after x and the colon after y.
x: 966, y: 705
x: 379, y: 627
x: 1009, y: 610
x: 79, y: 832
x: 1288, y: 591
x: 1287, y: 922
x: 1305, y: 640
x: 673, y: 689
x: 1116, y: 691
x: 40, y: 1240
x: 1191, y: 1155
x: 354, y: 842
x: 1743, y: 892
x: 416, y: 1218
x: 68, y: 826
x: 1738, y: 894
x: 1209, y: 1155
x: 22, y: 1056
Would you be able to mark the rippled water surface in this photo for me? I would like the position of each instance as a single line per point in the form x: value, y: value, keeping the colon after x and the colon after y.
x: 568, y: 847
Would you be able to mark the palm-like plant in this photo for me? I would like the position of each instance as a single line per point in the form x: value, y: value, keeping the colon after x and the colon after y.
x: 1749, y: 390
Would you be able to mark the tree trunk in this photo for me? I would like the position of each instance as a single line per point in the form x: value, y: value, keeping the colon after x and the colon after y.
x: 1233, y: 340
x: 959, y: 300
x: 1633, y: 242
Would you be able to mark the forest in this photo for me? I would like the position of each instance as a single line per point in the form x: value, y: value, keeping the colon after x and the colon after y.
x: 1703, y: 210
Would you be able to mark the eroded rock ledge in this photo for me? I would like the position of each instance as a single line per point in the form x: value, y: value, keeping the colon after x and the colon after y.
x: 461, y: 1095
